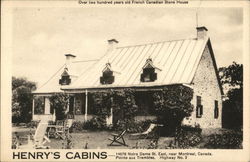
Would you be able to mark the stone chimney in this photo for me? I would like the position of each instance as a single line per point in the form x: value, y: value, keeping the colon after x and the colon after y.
x: 201, y: 32
x: 112, y: 43
x: 69, y: 59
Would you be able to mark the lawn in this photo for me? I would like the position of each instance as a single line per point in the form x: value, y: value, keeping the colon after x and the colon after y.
x: 210, y: 139
x: 93, y: 140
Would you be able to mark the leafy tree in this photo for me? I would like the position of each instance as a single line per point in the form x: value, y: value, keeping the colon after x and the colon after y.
x: 122, y: 103
x: 232, y: 79
x: 59, y: 103
x: 22, y: 99
x: 232, y: 75
x: 172, y: 105
x: 125, y: 108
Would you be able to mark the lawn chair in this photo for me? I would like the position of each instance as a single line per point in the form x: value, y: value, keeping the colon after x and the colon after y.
x: 39, y: 139
x: 146, y: 133
x: 67, y: 125
x: 118, y: 138
x: 62, y: 128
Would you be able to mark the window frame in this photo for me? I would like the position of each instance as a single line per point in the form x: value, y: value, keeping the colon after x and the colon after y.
x: 107, y: 77
x: 216, y: 109
x: 65, y: 78
x: 149, y: 73
x: 199, y: 107
x: 42, y: 100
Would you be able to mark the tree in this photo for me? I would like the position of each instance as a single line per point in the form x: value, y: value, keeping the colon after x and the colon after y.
x: 232, y: 80
x: 172, y: 105
x: 59, y: 102
x: 22, y: 99
x: 122, y: 103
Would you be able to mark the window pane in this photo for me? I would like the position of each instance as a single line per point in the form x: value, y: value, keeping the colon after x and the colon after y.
x: 216, y: 109
x: 78, y: 104
x: 39, y: 104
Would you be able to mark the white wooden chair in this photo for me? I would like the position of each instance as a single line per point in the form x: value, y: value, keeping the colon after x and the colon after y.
x: 39, y: 138
x: 146, y: 132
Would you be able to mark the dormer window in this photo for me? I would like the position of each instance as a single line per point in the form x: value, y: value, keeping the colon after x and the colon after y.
x: 149, y: 74
x: 107, y: 75
x: 65, y: 78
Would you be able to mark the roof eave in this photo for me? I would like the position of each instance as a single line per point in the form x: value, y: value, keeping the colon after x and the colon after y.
x: 215, y: 65
x: 126, y: 86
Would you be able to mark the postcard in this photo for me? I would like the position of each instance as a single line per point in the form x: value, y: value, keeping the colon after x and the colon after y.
x: 119, y: 80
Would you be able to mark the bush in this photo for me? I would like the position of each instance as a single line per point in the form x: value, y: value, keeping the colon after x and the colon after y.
x: 95, y: 123
x: 77, y: 125
x: 92, y: 124
x: 189, y: 137
x: 172, y: 104
x: 59, y: 103
x: 132, y: 126
x: 32, y: 124
x: 229, y: 140
x: 191, y: 129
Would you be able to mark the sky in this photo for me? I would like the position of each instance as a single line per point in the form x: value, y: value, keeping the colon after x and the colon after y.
x: 42, y: 36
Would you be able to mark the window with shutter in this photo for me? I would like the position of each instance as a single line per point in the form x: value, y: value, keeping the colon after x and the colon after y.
x: 107, y: 75
x: 148, y: 74
x: 65, y: 78
x: 216, y: 109
x: 199, y: 107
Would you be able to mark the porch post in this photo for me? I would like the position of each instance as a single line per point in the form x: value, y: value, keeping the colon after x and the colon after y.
x: 86, y: 105
x: 67, y: 110
x: 111, y: 116
x: 109, y: 119
x: 33, y: 107
x: 111, y: 111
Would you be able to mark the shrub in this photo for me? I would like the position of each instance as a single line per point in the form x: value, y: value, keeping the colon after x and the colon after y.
x: 121, y: 102
x: 229, y: 140
x: 189, y: 137
x: 32, y: 124
x: 59, y: 103
x: 92, y: 124
x: 191, y: 129
x: 95, y: 123
x: 172, y: 104
x: 133, y: 126
x: 77, y: 125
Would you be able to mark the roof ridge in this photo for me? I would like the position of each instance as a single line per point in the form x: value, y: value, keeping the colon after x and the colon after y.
x: 156, y: 42
x: 85, y: 61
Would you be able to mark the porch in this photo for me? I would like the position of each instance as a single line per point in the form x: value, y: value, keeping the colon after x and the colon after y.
x: 81, y: 107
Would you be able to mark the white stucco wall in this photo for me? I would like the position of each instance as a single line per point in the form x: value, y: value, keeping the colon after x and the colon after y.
x: 205, y: 84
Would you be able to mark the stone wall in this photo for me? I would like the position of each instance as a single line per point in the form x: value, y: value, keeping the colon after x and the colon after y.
x: 205, y: 84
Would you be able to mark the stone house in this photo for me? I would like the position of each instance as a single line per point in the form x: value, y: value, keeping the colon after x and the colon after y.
x: 145, y: 68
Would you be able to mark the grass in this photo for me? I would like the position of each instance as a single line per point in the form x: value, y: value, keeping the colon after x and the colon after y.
x: 93, y: 140
x: 99, y: 139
